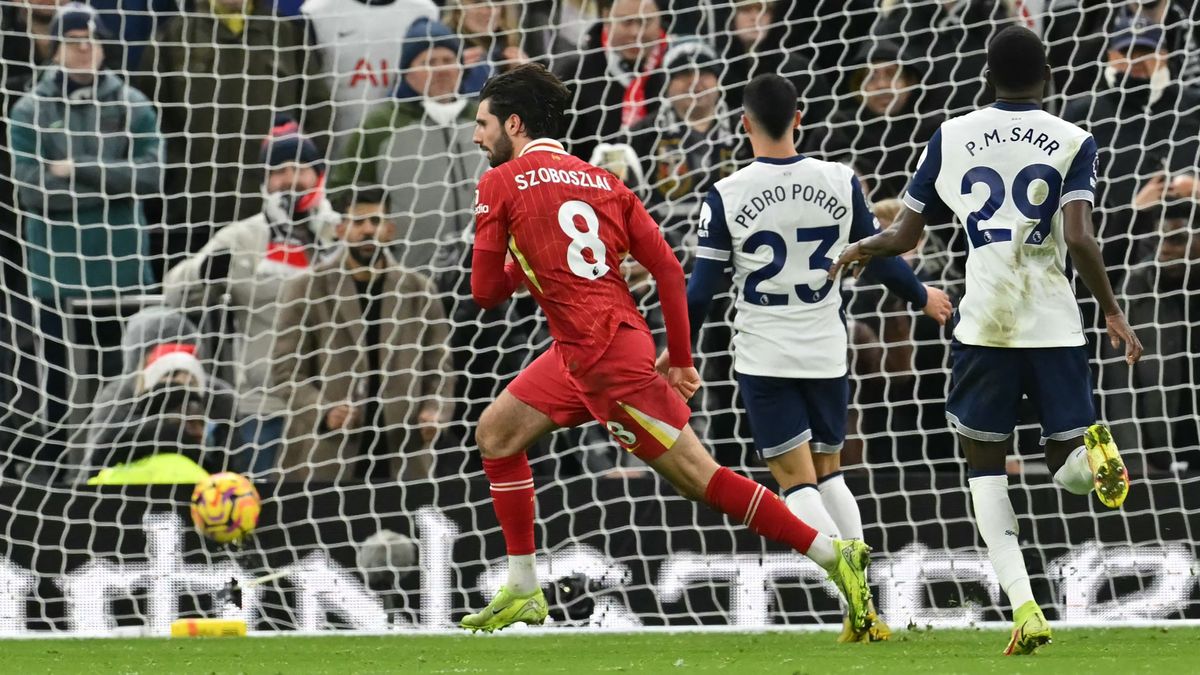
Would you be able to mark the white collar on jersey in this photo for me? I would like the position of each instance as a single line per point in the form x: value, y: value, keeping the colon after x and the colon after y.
x: 542, y: 145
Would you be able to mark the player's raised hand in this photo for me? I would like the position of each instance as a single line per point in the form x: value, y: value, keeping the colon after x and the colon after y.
x: 1118, y: 332
x: 686, y: 381
x: 851, y: 256
x: 937, y: 305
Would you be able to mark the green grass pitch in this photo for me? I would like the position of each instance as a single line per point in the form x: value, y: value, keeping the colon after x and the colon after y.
x: 1092, y: 651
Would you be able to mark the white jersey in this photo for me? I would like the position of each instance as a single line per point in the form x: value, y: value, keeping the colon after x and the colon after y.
x: 1006, y: 171
x: 781, y: 223
x: 362, y: 43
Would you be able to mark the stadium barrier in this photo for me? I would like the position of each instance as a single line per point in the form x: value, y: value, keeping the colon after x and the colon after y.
x: 129, y: 562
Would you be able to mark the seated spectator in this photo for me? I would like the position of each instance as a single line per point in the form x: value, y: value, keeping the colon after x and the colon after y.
x: 239, y: 272
x: 950, y: 37
x: 220, y: 73
x: 614, y: 79
x: 688, y: 146
x: 491, y: 37
x: 85, y: 150
x: 747, y: 52
x: 361, y: 358
x: 167, y: 400
x: 1155, y: 398
x: 418, y: 147
x: 1147, y: 129
x: 885, y: 132
x: 360, y: 41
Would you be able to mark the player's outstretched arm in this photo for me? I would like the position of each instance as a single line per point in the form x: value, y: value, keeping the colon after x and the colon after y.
x: 708, y: 278
x: 1085, y: 253
x: 901, y: 237
x: 894, y: 272
x: 647, y: 246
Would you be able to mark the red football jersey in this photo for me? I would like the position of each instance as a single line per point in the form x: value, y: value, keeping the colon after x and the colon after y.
x: 569, y: 224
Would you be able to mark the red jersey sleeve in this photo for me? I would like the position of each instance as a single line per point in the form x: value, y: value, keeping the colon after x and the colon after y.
x: 647, y: 246
x: 493, y: 281
x: 491, y: 213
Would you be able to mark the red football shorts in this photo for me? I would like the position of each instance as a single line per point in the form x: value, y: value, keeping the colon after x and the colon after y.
x: 622, y: 391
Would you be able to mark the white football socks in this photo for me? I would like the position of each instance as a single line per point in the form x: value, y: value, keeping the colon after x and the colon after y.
x: 805, y: 503
x: 1075, y: 475
x: 997, y: 525
x: 522, y: 574
x: 822, y: 552
x: 842, y: 506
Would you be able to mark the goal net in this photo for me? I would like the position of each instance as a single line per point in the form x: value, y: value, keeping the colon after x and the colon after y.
x: 191, y: 190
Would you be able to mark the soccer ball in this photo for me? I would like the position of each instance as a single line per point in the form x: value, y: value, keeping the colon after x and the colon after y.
x: 225, y: 507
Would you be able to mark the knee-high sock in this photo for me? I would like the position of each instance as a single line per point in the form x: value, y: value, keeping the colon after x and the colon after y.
x: 804, y: 501
x: 841, y: 505
x: 759, y: 509
x: 512, y: 498
x: 998, y: 526
x: 1075, y: 475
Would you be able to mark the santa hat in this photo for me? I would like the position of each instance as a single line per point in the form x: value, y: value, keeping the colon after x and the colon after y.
x: 170, y: 358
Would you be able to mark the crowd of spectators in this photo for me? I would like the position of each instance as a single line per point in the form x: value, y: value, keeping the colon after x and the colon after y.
x: 285, y: 191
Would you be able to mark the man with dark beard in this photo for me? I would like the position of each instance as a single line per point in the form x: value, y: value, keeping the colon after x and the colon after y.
x: 1157, y: 398
x: 361, y: 357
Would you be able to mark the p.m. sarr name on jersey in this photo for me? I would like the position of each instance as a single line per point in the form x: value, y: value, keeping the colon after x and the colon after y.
x: 1016, y: 134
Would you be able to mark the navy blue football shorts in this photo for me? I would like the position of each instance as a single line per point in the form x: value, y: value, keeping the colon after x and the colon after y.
x: 785, y: 412
x: 987, y: 383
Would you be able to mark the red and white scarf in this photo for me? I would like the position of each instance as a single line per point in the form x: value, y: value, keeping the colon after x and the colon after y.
x: 633, y: 103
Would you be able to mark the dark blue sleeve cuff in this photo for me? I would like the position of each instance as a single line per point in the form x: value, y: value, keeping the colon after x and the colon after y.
x: 898, y: 277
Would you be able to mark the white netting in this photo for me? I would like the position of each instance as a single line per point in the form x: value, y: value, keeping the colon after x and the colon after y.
x: 134, y: 216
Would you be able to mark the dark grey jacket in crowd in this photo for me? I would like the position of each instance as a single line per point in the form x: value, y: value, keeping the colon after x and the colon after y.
x: 1148, y: 399
x: 596, y: 96
x: 680, y: 165
x: 1137, y: 138
x: 122, y: 425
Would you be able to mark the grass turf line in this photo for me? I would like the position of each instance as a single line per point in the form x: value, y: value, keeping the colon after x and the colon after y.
x: 1134, y: 650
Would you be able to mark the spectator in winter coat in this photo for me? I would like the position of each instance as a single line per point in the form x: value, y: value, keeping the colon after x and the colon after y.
x: 85, y: 150
x: 949, y: 38
x: 239, y: 272
x: 418, y: 148
x: 361, y: 357
x: 1147, y: 129
x: 220, y: 74
x: 167, y: 400
x: 689, y: 144
x: 747, y: 51
x: 1155, y: 398
x: 882, y: 131
x: 616, y: 77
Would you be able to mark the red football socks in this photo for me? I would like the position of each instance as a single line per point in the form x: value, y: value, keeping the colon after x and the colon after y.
x: 512, y: 498
x: 758, y: 508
